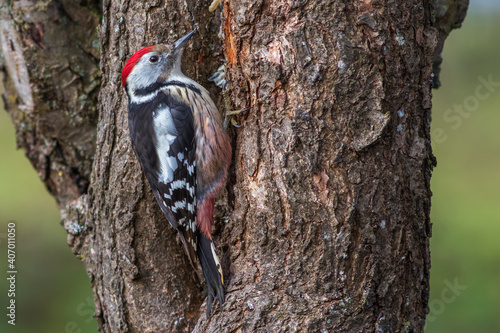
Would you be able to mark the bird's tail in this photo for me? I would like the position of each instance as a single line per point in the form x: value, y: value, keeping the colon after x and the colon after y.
x: 211, y: 269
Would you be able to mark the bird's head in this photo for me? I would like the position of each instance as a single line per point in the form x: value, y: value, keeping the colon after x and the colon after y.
x: 153, y: 64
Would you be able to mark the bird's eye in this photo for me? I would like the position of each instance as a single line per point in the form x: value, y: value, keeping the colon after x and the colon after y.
x: 153, y: 59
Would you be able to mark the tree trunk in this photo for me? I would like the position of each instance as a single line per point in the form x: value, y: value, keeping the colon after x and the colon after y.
x: 324, y: 226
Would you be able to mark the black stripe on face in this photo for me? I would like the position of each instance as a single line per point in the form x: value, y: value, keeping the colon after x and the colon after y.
x: 158, y: 85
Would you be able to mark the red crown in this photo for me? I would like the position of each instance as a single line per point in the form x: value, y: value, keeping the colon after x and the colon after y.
x: 129, y: 65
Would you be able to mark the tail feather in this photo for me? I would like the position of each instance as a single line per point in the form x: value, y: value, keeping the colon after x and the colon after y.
x: 211, y: 269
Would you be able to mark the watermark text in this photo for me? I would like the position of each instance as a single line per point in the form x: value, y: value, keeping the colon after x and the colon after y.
x: 11, y: 272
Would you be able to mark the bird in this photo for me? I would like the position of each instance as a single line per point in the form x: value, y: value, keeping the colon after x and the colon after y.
x: 178, y: 137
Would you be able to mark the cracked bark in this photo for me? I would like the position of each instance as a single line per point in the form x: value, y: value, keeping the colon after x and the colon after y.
x: 325, y: 222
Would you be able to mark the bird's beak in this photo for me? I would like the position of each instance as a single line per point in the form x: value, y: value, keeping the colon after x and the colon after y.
x: 181, y: 42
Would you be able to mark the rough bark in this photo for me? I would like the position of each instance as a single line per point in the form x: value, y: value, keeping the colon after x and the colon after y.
x: 333, y: 166
x: 50, y: 51
x: 325, y: 222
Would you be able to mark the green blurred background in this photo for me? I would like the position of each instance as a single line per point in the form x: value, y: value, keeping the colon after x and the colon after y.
x: 53, y: 291
x: 465, y: 243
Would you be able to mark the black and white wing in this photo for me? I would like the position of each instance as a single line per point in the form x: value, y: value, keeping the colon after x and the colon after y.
x: 166, y: 139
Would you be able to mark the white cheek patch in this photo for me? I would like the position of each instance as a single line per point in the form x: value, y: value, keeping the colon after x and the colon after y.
x: 144, y: 74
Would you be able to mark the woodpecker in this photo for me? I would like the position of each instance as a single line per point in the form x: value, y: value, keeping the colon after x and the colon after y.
x: 178, y: 137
